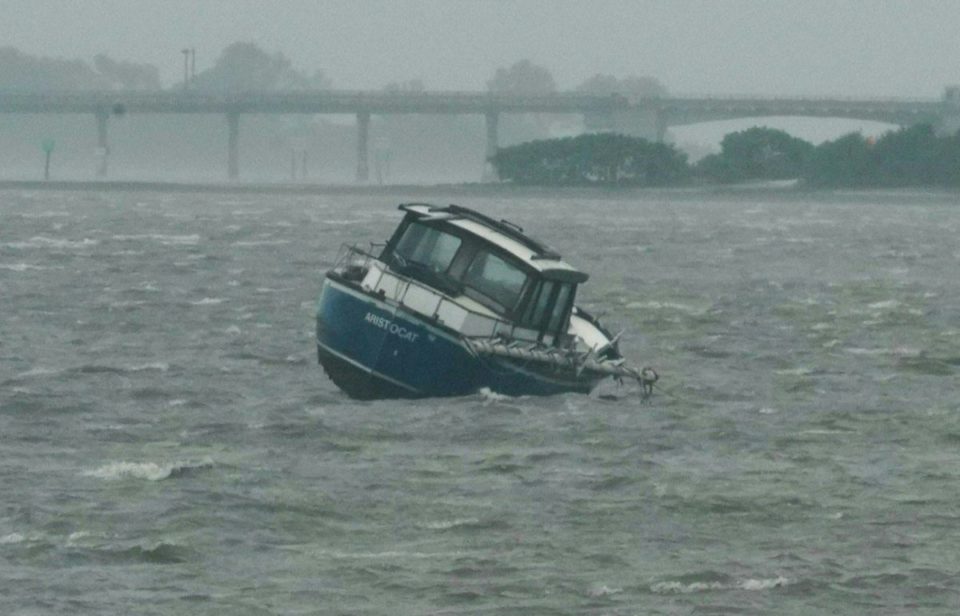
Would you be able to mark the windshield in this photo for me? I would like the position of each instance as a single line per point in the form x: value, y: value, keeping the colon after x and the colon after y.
x: 496, y: 279
x: 427, y: 246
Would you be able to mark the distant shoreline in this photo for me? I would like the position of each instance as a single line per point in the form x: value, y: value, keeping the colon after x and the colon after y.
x: 750, y: 192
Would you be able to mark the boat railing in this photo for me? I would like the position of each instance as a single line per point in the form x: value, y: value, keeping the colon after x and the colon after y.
x: 353, y: 255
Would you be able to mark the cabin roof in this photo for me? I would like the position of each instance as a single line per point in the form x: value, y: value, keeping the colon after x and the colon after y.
x: 503, y: 234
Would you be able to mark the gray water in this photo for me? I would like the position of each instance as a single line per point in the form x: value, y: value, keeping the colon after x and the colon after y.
x: 168, y: 444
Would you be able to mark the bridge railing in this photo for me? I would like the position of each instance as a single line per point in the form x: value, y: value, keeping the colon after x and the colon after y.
x: 343, y: 101
x: 693, y: 96
x: 295, y: 95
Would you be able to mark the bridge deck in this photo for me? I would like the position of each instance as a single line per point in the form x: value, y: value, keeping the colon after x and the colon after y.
x: 339, y: 101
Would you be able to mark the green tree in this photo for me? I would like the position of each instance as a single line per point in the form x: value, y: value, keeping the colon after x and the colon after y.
x: 25, y: 73
x: 127, y: 75
x: 907, y: 157
x: 593, y: 159
x: 523, y: 77
x: 948, y: 160
x: 842, y: 162
x: 247, y: 67
x: 757, y: 154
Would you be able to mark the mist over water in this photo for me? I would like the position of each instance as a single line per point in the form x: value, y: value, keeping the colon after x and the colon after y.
x: 169, y: 444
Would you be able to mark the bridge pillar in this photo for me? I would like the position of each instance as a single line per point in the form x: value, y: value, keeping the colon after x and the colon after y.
x: 363, y: 136
x: 233, y: 145
x: 489, y: 170
x: 103, y: 149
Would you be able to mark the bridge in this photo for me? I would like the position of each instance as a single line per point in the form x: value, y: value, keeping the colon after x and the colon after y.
x: 646, y: 117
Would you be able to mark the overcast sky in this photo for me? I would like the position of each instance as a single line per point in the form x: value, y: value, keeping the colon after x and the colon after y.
x: 800, y: 47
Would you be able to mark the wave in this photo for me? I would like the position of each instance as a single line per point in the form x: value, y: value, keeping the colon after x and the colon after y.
x: 341, y: 222
x: 52, y: 242
x: 488, y: 395
x: 12, y: 538
x: 22, y: 267
x: 716, y: 582
x: 247, y: 243
x: 166, y: 240
x: 602, y: 590
x: 38, y: 372
x: 99, y: 369
x: 150, y: 471
x: 160, y: 553
x: 451, y: 524
x: 674, y: 306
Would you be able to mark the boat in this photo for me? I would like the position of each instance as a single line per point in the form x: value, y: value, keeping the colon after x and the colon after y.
x: 456, y: 302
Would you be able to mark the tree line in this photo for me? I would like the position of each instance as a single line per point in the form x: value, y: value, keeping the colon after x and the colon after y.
x: 913, y: 156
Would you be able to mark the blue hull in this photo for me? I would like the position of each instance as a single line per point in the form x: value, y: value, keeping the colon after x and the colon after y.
x: 373, y: 350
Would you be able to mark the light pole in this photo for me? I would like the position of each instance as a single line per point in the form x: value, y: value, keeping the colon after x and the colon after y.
x: 186, y: 74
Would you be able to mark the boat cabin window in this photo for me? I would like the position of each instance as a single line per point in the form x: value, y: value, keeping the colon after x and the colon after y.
x: 495, y: 279
x: 560, y: 309
x: 537, y: 306
x: 548, y: 307
x: 427, y: 246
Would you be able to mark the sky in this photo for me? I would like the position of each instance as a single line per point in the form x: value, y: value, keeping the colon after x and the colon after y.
x: 862, y: 48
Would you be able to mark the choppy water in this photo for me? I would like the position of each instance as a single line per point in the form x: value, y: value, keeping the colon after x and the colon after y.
x: 168, y: 444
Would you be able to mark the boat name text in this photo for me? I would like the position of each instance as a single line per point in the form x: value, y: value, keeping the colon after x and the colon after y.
x: 390, y: 326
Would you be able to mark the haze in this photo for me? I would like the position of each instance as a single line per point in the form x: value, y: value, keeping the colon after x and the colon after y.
x: 824, y: 47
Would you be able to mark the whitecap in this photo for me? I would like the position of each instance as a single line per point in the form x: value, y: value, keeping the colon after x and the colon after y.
x: 150, y: 471
x: 130, y: 303
x: 53, y: 242
x: 12, y: 538
x: 208, y: 301
x: 681, y: 588
x: 76, y: 536
x: 654, y: 305
x: 392, y: 554
x: 904, y: 351
x: 246, y: 243
x: 159, y: 366
x: 167, y: 240
x: 449, y: 524
x: 763, y: 584
x: 47, y: 214
x: 794, y: 371
x: 21, y: 267
x: 602, y: 591
x: 33, y: 372
x: 676, y: 587
x: 489, y: 395
x: 345, y: 221
x: 869, y: 352
x: 889, y: 303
